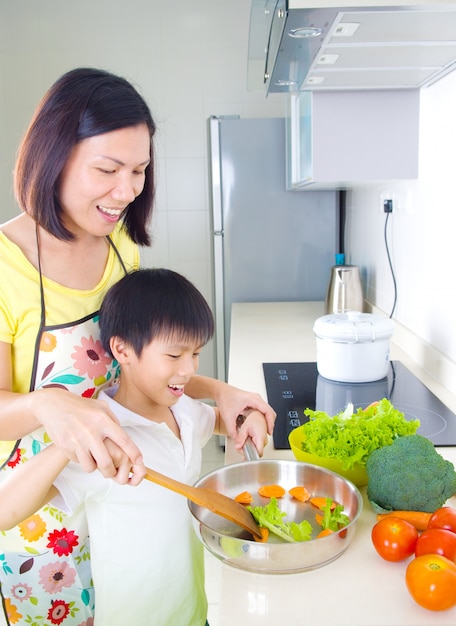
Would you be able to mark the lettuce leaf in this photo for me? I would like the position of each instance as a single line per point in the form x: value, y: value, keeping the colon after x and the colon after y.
x: 334, y: 519
x: 271, y: 517
x: 350, y: 436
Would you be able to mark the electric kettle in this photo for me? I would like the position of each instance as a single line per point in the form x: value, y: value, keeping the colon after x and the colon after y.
x: 344, y: 291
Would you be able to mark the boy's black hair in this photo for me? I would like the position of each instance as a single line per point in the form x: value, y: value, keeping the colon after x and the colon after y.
x: 151, y: 303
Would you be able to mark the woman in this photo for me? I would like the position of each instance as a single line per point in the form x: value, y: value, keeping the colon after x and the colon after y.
x: 84, y: 179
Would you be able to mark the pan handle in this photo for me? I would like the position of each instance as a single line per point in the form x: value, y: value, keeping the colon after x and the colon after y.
x: 250, y: 451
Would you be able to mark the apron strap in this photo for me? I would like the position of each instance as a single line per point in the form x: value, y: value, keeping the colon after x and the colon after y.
x: 42, y: 300
x: 117, y: 253
x: 43, y: 307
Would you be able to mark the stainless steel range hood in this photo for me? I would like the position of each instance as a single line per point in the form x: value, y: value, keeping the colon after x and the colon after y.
x: 294, y: 46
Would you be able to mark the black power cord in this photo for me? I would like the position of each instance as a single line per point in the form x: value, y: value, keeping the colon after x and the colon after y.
x: 342, y: 219
x: 388, y: 213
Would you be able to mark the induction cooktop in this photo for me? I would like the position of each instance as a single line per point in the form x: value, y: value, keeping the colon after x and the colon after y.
x: 293, y: 387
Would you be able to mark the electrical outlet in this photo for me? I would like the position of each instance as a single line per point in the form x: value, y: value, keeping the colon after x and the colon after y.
x: 400, y: 200
x: 388, y: 205
x: 384, y: 197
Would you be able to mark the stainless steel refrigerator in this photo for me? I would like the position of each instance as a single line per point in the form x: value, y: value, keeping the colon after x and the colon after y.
x: 269, y: 244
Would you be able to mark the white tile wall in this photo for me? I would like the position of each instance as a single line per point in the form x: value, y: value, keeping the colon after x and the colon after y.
x: 189, y: 59
x: 422, y: 240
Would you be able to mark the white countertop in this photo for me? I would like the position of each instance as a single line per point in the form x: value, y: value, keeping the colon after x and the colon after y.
x: 359, y: 588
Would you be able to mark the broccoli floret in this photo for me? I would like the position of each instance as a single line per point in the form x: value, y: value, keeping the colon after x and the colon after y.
x: 409, y: 475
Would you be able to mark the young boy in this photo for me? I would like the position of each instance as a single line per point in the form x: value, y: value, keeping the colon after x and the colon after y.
x: 147, y: 563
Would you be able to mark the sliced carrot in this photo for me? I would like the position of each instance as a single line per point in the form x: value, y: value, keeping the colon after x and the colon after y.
x: 244, y: 498
x: 325, y: 533
x: 299, y: 493
x: 320, y: 502
x: 264, y: 535
x: 271, y: 491
x: 419, y: 519
x: 319, y: 519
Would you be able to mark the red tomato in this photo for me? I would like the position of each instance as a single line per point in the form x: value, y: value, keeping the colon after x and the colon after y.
x: 431, y: 581
x: 437, y: 541
x: 394, y: 538
x: 444, y: 517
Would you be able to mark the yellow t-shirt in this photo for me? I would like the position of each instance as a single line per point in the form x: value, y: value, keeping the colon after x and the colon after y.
x: 20, y: 307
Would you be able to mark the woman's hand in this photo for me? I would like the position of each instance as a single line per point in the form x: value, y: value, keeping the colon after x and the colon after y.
x: 85, y: 429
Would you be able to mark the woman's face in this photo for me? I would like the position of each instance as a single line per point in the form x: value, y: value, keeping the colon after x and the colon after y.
x: 102, y: 176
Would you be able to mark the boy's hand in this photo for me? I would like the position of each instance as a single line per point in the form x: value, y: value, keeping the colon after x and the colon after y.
x: 233, y: 401
x: 254, y: 426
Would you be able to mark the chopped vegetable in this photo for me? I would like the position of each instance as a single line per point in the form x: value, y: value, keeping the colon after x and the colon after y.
x: 409, y: 475
x: 271, y: 517
x: 419, y: 519
x: 244, y: 498
x: 351, y: 436
x: 264, y: 532
x: 325, y: 533
x: 333, y: 517
x: 271, y: 491
x: 320, y: 502
x: 299, y: 493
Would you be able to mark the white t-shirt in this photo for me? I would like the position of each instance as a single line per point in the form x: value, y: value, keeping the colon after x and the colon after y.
x: 147, y: 562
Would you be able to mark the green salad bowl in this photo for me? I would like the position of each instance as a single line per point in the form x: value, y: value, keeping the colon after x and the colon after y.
x: 357, y: 474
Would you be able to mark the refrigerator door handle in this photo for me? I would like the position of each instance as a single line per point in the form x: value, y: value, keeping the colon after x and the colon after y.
x: 217, y: 224
x: 216, y: 175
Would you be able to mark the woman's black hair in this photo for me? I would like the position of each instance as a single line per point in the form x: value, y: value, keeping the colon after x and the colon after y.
x: 151, y: 303
x: 82, y: 103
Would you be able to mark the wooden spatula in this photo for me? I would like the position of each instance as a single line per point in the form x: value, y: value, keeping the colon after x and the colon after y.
x: 209, y: 499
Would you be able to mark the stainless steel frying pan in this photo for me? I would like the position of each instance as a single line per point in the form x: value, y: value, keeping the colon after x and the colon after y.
x: 236, y: 547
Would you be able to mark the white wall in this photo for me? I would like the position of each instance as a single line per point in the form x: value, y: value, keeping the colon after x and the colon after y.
x: 422, y: 240
x: 188, y: 58
x: 189, y: 61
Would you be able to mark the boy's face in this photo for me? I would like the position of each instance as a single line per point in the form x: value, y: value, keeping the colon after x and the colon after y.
x: 163, y: 369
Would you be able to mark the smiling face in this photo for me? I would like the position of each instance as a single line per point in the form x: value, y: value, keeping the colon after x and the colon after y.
x: 102, y: 176
x: 157, y: 377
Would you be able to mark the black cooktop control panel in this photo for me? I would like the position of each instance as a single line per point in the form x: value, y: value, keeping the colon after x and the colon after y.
x: 293, y: 387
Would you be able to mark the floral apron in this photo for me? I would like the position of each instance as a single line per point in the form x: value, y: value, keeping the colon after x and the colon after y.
x: 45, y: 570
